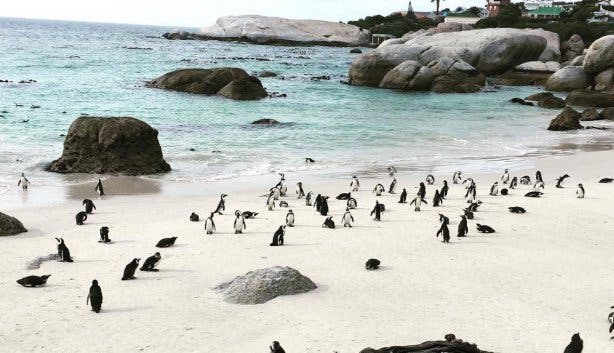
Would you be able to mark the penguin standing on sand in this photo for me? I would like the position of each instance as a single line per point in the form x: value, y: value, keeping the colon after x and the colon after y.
x: 324, y: 206
x: 23, y: 182
x: 221, y: 206
x: 130, y: 269
x: 471, y: 192
x: 355, y: 184
x: 560, y: 180
x: 393, y: 186
x: 290, y: 218
x: 278, y: 236
x: 151, y: 263
x: 283, y: 188
x: 63, y: 252
x: 300, y: 193
x: 576, y: 345
x: 239, y: 224
x: 378, y: 189
x: 89, y: 206
x: 209, y: 224
x: 538, y: 186
x: 80, y: 218
x: 318, y: 202
x: 347, y: 218
x: 417, y: 202
x: 275, y: 192
x: 538, y: 176
x: 505, y: 177
x: 443, y: 230
x: 422, y: 191
x: 463, y: 229
x: 494, y: 189
x: 514, y: 183
x: 430, y: 179
x: 403, y: 198
x: 580, y: 192
x: 99, y: 188
x: 270, y: 203
x: 456, y: 178
x: 377, y: 211
x: 392, y: 171
x: 94, y: 297
x: 352, y: 203
x: 437, y: 200
x: 276, y: 348
x: 444, y: 190
x: 308, y: 199
x: 104, y: 235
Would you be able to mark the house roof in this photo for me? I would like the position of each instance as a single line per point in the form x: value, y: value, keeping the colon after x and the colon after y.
x: 547, y: 11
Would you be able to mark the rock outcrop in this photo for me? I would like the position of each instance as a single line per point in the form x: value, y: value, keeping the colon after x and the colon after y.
x: 590, y: 114
x: 276, y: 30
x: 568, y: 79
x: 568, y: 119
x: 551, y: 102
x: 246, y: 88
x: 265, y: 121
x: 600, y: 55
x: 260, y: 286
x: 455, y: 346
x: 10, y: 225
x: 528, y: 74
x: 118, y: 145
x: 604, y: 80
x: 539, y: 96
x: 572, y: 48
x: 588, y: 98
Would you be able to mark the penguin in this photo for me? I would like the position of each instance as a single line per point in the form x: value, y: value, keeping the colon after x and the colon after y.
x: 505, y: 177
x: 63, y: 252
x: 393, y: 186
x: 422, y: 191
x: 130, y: 269
x: 221, y: 206
x: 463, y: 229
x: 473, y: 207
x: 33, y: 281
x: 151, y: 262
x: 249, y: 214
x: 278, y: 236
x: 352, y: 203
x: 443, y: 230
x: 514, y: 183
x: 80, y: 218
x: 538, y: 176
x: 471, y: 192
x: 166, y: 242
x: 324, y: 206
x: 576, y: 345
x: 94, y: 297
x: 210, y: 224
x: 283, y: 203
x: 504, y: 192
x: 344, y: 196
x: 104, y: 235
x: 392, y: 171
x: 23, y: 182
x: 580, y: 192
x: 437, y: 200
x: 560, y: 180
x: 355, y: 183
x: 99, y: 188
x: 430, y: 179
x: 516, y: 209
x: 318, y: 202
x: 444, y: 190
x: 194, y: 217
x: 276, y: 348
x: 525, y: 180
x: 482, y: 228
x: 309, y: 160
x: 494, y: 189
x: 417, y: 202
x: 239, y: 223
x: 377, y: 211
x: 300, y: 193
x: 89, y: 206
x: 456, y: 178
x: 283, y: 188
x: 290, y: 218
x: 378, y: 189
x: 403, y: 198
x: 539, y: 185
x: 372, y: 264
x: 329, y: 223
x: 533, y: 194
x: 468, y: 213
x: 605, y: 180
x: 270, y: 203
x: 308, y: 199
x: 347, y: 218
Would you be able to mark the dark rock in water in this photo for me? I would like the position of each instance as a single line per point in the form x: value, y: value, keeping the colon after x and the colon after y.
x: 179, y: 35
x: 10, y: 225
x: 100, y: 145
x: 355, y: 51
x: 277, y: 95
x: 260, y: 286
x: 265, y: 74
x: 230, y: 82
x: 588, y: 98
x: 607, y: 114
x: 539, y: 96
x: 265, y: 122
x: 590, y: 114
x: 569, y: 119
x: 454, y: 346
x: 320, y: 78
x: 520, y: 101
x: 551, y: 102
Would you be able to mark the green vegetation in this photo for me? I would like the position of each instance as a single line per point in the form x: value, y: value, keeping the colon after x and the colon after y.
x: 395, y: 24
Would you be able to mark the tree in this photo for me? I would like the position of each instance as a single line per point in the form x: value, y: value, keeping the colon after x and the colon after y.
x: 437, y: 5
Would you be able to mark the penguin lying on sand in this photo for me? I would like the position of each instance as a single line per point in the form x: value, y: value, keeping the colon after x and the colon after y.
x: 33, y: 281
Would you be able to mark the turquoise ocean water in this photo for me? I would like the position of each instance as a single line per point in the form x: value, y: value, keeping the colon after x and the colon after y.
x: 94, y: 69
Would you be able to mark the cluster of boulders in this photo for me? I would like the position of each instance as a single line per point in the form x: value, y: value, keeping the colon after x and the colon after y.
x: 10, y: 225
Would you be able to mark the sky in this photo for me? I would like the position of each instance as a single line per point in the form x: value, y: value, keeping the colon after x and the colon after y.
x: 200, y: 13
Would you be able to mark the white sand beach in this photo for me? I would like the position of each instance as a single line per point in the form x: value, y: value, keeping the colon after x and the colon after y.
x: 541, y: 277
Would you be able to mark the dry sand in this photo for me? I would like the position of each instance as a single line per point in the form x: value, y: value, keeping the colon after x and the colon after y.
x: 541, y: 277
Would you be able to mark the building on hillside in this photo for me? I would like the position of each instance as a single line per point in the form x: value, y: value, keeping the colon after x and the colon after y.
x: 545, y: 12
x: 494, y: 6
x: 605, y: 14
x: 532, y: 5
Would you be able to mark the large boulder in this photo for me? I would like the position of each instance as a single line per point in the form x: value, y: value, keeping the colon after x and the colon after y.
x: 539, y: 96
x: 530, y: 73
x: 452, y: 346
x: 455, y: 76
x: 607, y: 113
x: 577, y: 61
x: 568, y: 79
x: 276, y: 30
x: 551, y: 102
x: 260, y: 286
x: 100, y: 145
x: 605, y: 80
x: 10, y: 225
x: 409, y: 75
x: 568, y: 119
x: 246, y: 88
x: 590, y: 114
x: 587, y: 98
x: 600, y: 55
x: 572, y: 48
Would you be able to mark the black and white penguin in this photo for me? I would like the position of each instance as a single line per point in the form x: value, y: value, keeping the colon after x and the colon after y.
x: 290, y: 218
x: 221, y: 206
x: 525, y: 180
x: 355, y: 183
x: 417, y: 202
x: 403, y: 198
x: 99, y: 188
x: 275, y: 193
x: 580, y: 192
x: 444, y: 190
x: 283, y: 188
x: 33, y: 281
x: 463, y: 229
x: 194, y: 217
x: 560, y: 180
x: 130, y: 269
x: 516, y: 209
x: 457, y: 178
x: 372, y: 264
x: 270, y: 203
x: 104, y: 235
x: 443, y: 230
x: 468, y: 213
x: 533, y: 194
x: 324, y: 206
x: 606, y: 180
x: 210, y: 224
x: 377, y: 211
x: 430, y: 179
x: 514, y: 183
x: 80, y: 218
x: 473, y: 207
x: 278, y: 236
x: 538, y: 176
x: 276, y: 348
x: 422, y: 191
x: 94, y: 297
x: 494, y: 189
x: 344, y: 196
x: 63, y: 252
x: 392, y: 171
x: 393, y: 186
x: 379, y: 189
x: 576, y: 345
x: 329, y: 223
x: 482, y: 228
x: 471, y: 192
x: 318, y: 202
x: 239, y: 224
x: 166, y: 242
x: 308, y: 199
x: 23, y: 182
x: 505, y: 177
x: 538, y: 186
x: 300, y: 193
x: 249, y: 214
x: 437, y: 200
x: 151, y: 262
x: 309, y: 160
x: 352, y: 203
x: 89, y: 206
x: 347, y: 218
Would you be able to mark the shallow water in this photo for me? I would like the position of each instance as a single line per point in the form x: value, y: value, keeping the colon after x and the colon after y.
x: 87, y: 68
